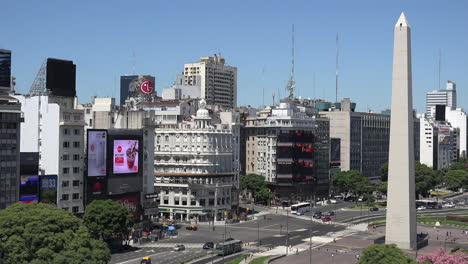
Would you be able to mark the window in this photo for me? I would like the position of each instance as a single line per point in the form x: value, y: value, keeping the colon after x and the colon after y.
x: 76, y: 169
x: 76, y: 157
x: 66, y: 144
x: 202, y: 202
x: 90, y: 122
x: 76, y: 183
x: 77, y: 131
x: 66, y: 157
x: 65, y: 197
x: 211, y: 202
x: 65, y: 170
x: 76, y: 196
x: 76, y: 144
x: 75, y: 209
x: 194, y: 193
x: 88, y: 111
x: 65, y: 183
x: 66, y: 131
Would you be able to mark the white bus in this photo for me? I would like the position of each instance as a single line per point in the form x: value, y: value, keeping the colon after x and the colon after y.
x: 296, y: 207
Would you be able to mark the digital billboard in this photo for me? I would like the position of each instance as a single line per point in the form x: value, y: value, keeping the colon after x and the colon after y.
x: 48, y: 189
x: 125, y: 159
x: 129, y: 201
x: 97, y: 145
x: 29, y: 189
x: 61, y: 77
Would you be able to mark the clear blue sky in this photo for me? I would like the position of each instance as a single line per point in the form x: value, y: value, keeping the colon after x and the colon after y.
x: 101, y: 36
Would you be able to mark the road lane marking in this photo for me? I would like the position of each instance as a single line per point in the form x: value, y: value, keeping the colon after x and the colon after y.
x: 294, y: 237
x: 302, y: 229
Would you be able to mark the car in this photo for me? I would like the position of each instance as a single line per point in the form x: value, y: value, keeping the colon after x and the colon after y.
x: 317, y: 215
x: 373, y: 209
x: 179, y: 247
x: 208, y: 245
x: 333, y: 201
x: 422, y: 207
x: 229, y: 239
x: 192, y: 227
x: 329, y: 213
x: 326, y: 219
x: 146, y: 260
x: 360, y: 199
x: 449, y: 205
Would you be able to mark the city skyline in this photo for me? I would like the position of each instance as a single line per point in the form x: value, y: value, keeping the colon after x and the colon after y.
x: 103, y: 44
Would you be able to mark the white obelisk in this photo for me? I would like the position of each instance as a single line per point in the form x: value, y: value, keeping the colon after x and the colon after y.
x: 401, y: 211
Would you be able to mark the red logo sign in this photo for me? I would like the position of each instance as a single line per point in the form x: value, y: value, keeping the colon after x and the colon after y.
x: 147, y: 87
x: 119, y: 149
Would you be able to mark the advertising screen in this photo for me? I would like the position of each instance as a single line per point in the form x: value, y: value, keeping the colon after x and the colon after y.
x: 97, y: 153
x: 29, y: 189
x: 131, y: 202
x: 48, y: 189
x: 125, y: 158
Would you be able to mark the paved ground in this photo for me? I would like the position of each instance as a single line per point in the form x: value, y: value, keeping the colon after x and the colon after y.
x: 159, y: 255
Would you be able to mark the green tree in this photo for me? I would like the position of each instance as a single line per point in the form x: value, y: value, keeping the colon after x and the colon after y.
x: 384, y: 254
x: 252, y: 183
x: 381, y: 187
x: 43, y: 234
x: 462, y: 164
x: 456, y: 179
x: 425, y: 179
x: 383, y: 171
x: 107, y: 219
x: 352, y: 182
x: 264, y: 195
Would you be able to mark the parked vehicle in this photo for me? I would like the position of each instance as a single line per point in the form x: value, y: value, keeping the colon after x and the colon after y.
x: 192, y: 227
x: 326, y: 219
x: 329, y: 213
x: 374, y: 209
x: 422, y: 207
x: 208, y: 245
x: 317, y: 215
x: 146, y: 260
x: 179, y: 247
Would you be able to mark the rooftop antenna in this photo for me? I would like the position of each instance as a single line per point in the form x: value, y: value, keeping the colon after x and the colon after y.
x: 291, y: 83
x: 133, y: 62
x: 337, y: 69
x: 273, y: 98
x: 440, y: 66
x: 263, y: 86
x: 314, y: 86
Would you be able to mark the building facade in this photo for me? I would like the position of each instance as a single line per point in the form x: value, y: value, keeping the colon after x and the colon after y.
x: 447, y: 97
x: 218, y: 81
x: 196, y: 168
x: 55, y: 129
x: 10, y: 120
x: 260, y: 150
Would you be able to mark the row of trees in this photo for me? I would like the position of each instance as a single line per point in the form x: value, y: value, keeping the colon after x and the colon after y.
x: 453, y: 178
x: 40, y: 233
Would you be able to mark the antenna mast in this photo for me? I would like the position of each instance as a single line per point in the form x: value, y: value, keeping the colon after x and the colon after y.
x: 440, y: 66
x: 133, y: 62
x: 337, y: 70
x: 291, y: 83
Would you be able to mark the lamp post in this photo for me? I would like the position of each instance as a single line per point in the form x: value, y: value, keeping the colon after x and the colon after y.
x: 310, y: 242
x: 287, y: 231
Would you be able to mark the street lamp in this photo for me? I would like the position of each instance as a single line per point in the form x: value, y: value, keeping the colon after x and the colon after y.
x: 258, y: 234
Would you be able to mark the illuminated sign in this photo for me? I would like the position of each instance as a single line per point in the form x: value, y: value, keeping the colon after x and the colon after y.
x: 97, y: 153
x: 29, y: 189
x: 48, y: 189
x: 125, y: 158
x: 131, y: 203
x: 147, y: 87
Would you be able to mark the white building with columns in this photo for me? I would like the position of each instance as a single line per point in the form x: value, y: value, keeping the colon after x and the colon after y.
x: 197, y: 167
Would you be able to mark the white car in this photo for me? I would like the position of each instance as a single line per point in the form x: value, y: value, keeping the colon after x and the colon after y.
x: 333, y: 201
x: 449, y: 205
x: 422, y: 207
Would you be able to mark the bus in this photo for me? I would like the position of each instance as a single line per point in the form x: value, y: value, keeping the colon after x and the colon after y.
x: 228, y: 247
x: 296, y: 207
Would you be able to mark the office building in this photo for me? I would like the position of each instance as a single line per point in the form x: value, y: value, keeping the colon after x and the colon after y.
x: 53, y: 128
x: 5, y: 69
x: 217, y: 81
x: 197, y: 167
x: 180, y: 91
x: 10, y: 132
x: 364, y: 138
x: 447, y: 97
x: 458, y: 119
x: 57, y: 78
x: 266, y: 131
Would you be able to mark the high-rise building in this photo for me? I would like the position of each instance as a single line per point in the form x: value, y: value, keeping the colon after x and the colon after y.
x: 218, y: 81
x: 10, y: 120
x: 447, y: 97
x: 137, y: 86
x: 5, y: 69
x: 197, y: 167
x: 271, y: 131
x: 55, y: 129
x: 458, y: 119
x: 364, y: 138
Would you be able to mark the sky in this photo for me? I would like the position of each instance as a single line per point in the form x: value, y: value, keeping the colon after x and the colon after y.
x: 107, y: 39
